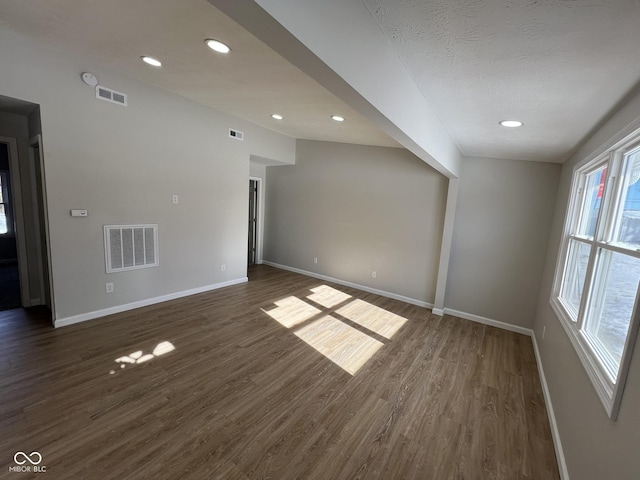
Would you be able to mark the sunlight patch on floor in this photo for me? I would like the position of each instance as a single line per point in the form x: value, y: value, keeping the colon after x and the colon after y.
x: 138, y: 357
x: 345, y: 346
x: 328, y: 297
x: 291, y: 311
x: 374, y: 318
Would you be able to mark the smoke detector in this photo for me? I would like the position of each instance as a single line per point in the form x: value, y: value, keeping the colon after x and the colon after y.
x: 90, y: 79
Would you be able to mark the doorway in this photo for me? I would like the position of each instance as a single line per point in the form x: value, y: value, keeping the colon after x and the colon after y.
x: 24, y: 206
x: 253, y: 222
x: 9, y: 278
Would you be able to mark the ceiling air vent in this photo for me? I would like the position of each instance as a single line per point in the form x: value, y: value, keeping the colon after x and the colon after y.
x: 109, y: 95
x: 237, y: 134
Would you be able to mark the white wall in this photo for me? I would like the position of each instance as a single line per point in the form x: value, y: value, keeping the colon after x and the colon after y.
x: 123, y: 165
x: 358, y: 209
x: 595, y: 447
x: 500, y: 236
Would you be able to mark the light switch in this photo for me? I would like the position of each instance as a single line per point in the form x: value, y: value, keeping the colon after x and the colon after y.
x: 79, y: 213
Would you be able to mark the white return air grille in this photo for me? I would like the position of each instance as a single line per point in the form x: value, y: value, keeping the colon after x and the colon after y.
x: 109, y: 95
x: 130, y: 247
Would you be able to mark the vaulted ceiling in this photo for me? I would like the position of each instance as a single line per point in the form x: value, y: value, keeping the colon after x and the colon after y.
x: 559, y: 66
x: 252, y: 82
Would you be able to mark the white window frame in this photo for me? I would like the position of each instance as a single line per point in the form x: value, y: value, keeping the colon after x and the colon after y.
x: 595, y: 360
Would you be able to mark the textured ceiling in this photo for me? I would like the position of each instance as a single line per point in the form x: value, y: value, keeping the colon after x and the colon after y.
x: 251, y: 83
x: 559, y: 66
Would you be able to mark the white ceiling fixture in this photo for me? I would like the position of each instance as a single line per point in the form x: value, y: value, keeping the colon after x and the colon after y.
x: 337, y: 118
x: 151, y: 61
x: 90, y: 79
x: 276, y: 116
x: 511, y: 123
x: 217, y: 45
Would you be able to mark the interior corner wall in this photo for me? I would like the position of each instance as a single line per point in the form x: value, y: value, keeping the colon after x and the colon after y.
x: 594, y: 446
x: 358, y: 209
x: 123, y: 165
x: 500, y: 237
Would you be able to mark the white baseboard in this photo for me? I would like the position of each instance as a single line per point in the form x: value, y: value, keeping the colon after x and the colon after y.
x: 437, y: 311
x: 562, y: 466
x: 489, y: 321
x: 34, y: 302
x: 83, y: 317
x: 555, y: 433
x: 364, y: 288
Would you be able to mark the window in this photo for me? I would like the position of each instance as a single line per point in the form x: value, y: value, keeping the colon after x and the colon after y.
x: 6, y: 224
x: 596, y: 285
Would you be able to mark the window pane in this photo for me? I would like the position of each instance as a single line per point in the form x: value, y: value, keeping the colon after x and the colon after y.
x: 3, y: 220
x: 573, y: 281
x: 628, y: 231
x: 614, y: 294
x: 592, y: 198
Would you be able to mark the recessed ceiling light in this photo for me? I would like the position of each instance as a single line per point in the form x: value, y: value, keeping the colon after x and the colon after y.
x: 511, y: 123
x: 217, y: 45
x: 276, y: 116
x: 151, y: 61
x: 337, y: 118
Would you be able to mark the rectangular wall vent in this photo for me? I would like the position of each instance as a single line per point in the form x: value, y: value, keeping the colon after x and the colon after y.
x: 109, y: 95
x: 237, y: 134
x: 130, y: 247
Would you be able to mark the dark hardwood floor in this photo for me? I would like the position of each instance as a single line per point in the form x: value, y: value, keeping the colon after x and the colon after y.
x: 331, y: 384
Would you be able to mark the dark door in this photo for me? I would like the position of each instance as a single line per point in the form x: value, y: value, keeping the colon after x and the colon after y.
x: 253, y: 221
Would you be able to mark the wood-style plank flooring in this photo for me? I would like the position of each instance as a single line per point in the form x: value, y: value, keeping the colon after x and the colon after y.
x: 285, y: 377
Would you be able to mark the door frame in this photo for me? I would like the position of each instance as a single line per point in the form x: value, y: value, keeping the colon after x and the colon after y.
x: 260, y: 216
x: 18, y: 219
x: 38, y: 163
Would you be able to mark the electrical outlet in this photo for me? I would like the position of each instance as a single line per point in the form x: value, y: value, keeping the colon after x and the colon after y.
x: 544, y: 330
x: 315, y: 259
x: 373, y: 274
x: 175, y: 199
x: 223, y: 267
x: 109, y: 287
